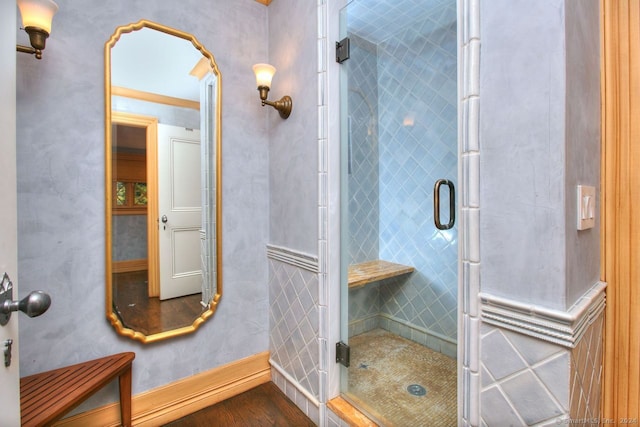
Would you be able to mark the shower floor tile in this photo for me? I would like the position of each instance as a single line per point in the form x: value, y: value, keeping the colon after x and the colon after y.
x: 384, y: 366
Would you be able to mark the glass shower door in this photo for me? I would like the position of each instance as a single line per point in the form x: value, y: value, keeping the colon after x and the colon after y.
x: 399, y: 270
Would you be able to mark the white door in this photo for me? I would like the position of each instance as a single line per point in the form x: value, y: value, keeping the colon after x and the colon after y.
x: 9, y: 376
x: 180, y: 207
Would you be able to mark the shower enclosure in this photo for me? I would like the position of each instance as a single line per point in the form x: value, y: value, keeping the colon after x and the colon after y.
x: 399, y: 236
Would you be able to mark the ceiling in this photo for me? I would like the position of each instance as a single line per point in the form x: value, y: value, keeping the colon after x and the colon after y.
x: 152, y: 61
x: 377, y: 20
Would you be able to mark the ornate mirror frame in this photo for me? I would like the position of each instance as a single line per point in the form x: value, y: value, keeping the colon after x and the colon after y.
x: 211, y: 133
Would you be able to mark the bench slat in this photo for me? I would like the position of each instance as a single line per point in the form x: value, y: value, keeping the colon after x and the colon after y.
x: 47, y: 396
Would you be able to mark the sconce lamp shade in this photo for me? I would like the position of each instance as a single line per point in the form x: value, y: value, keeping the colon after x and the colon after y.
x: 37, y: 13
x: 36, y: 20
x: 264, y: 73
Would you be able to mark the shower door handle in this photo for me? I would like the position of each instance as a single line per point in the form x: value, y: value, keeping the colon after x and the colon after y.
x: 436, y: 204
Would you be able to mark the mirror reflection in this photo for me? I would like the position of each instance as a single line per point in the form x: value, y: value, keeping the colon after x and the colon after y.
x: 162, y: 182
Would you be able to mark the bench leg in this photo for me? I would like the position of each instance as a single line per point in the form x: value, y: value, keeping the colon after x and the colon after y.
x: 125, y: 397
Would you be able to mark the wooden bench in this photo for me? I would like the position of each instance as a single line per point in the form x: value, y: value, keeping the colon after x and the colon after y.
x: 47, y: 396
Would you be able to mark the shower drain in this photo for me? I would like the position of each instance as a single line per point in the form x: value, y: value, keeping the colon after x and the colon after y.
x: 417, y: 390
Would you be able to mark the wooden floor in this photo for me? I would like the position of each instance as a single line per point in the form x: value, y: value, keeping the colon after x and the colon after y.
x: 264, y: 405
x: 150, y: 315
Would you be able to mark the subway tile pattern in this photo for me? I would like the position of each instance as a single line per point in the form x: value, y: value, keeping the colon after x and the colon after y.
x: 586, y: 374
x: 469, y: 228
x: 294, y: 323
x: 325, y: 319
x: 518, y: 370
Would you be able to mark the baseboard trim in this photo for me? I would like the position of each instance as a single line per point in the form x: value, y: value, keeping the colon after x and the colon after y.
x: 172, y: 401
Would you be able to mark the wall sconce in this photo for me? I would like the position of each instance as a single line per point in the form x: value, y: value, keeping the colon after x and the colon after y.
x: 264, y: 73
x: 36, y: 20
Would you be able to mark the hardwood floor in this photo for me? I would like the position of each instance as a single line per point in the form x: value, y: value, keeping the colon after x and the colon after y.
x: 150, y: 315
x: 264, y: 405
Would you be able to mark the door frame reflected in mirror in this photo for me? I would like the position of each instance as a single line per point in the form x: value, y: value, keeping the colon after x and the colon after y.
x: 212, y: 207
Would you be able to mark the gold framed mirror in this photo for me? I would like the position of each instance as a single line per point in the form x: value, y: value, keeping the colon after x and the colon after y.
x: 162, y: 182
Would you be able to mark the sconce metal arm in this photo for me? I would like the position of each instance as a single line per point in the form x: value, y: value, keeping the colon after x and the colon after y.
x: 30, y: 50
x: 283, y: 105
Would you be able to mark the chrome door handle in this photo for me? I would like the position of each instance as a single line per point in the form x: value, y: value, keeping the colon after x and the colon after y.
x: 436, y: 204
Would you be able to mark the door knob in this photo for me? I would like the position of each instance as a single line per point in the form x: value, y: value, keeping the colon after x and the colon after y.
x: 34, y: 304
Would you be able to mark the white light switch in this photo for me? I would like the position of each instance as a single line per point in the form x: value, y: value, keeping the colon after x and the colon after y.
x: 586, y: 207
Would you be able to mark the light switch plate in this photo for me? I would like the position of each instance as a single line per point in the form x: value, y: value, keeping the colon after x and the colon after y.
x: 586, y: 207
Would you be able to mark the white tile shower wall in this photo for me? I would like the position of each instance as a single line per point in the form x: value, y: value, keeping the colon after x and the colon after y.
x: 327, y: 298
x: 586, y: 375
x: 417, y: 71
x: 554, y: 358
x: 365, y: 314
x: 518, y: 370
x: 209, y: 90
x: 363, y: 168
x: 364, y: 308
x: 468, y: 114
x: 294, y: 323
x: 406, y: 86
x: 469, y: 282
x: 444, y: 345
x: 292, y: 389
